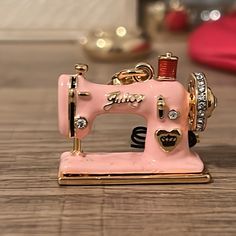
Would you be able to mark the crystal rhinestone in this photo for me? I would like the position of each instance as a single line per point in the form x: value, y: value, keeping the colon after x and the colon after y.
x: 201, y: 83
x: 173, y: 114
x: 81, y: 123
x: 199, y: 76
x: 201, y: 106
x: 201, y: 113
x: 202, y: 96
x: 199, y: 127
x: 200, y: 121
x: 201, y: 89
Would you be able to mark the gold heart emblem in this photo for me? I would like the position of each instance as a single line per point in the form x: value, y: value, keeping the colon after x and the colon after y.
x: 168, y: 140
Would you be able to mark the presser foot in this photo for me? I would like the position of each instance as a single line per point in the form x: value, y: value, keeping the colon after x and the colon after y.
x: 126, y: 179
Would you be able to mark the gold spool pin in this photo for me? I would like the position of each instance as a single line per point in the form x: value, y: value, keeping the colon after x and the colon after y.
x: 81, y: 69
x: 167, y: 67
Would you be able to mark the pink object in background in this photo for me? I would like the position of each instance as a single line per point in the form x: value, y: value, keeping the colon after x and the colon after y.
x: 214, y: 43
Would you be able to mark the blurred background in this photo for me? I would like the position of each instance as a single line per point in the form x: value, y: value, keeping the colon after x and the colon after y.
x: 57, y: 19
x: 120, y: 31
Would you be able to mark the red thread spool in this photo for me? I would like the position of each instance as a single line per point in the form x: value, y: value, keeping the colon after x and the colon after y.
x: 167, y: 67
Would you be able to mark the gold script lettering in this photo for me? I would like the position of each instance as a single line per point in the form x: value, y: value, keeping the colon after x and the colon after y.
x: 119, y: 98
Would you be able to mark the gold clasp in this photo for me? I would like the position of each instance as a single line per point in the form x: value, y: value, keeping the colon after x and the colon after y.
x: 140, y: 73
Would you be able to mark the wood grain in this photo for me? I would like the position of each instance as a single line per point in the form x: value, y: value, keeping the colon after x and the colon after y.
x: 32, y: 203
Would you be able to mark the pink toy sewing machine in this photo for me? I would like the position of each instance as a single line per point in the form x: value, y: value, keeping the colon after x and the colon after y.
x: 173, y: 116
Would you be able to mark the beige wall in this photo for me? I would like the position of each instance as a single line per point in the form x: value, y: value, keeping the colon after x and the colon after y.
x: 62, y: 18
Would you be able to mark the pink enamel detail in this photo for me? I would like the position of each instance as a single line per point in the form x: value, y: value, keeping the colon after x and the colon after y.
x: 153, y: 159
x: 63, y: 85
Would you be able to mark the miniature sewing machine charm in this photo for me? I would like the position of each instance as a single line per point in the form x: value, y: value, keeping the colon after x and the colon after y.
x: 174, y: 116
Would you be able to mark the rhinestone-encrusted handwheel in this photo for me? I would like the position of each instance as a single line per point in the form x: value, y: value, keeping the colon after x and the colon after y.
x: 198, y: 90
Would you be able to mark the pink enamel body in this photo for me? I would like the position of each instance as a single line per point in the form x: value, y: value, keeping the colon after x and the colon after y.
x: 153, y: 159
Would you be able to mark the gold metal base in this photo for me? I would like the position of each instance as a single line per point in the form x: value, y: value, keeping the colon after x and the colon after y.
x: 121, y: 179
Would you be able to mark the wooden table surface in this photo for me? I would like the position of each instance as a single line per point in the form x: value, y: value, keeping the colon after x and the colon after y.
x: 32, y: 203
